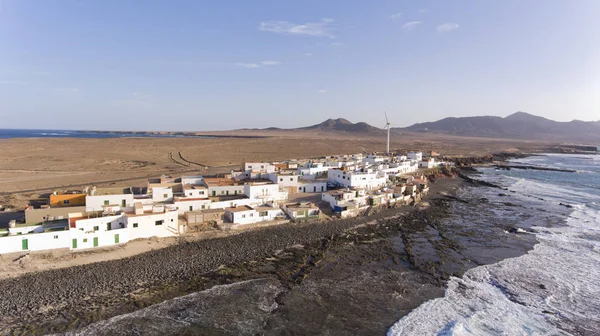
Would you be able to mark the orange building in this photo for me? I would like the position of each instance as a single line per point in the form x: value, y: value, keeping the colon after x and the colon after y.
x: 63, y: 200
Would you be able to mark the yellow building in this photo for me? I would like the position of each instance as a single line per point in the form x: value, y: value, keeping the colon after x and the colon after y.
x: 64, y: 200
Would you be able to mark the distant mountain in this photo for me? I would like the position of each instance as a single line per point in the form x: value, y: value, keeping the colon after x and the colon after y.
x: 519, y: 125
x: 343, y: 125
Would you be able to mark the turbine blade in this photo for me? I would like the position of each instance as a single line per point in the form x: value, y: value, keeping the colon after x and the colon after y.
x: 386, y: 119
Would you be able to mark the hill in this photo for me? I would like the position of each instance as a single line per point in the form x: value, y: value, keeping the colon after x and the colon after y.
x: 519, y: 125
x: 343, y: 125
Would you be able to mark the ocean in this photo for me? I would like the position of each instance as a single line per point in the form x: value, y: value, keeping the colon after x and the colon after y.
x: 30, y: 133
x: 552, y: 290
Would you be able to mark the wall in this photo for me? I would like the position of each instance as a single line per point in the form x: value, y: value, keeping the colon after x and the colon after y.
x: 162, y: 194
x: 34, y: 216
x: 146, y: 225
x: 96, y: 203
x: 235, y: 202
x: 195, y: 180
x: 261, y: 190
x: 71, y: 199
x: 320, y: 186
x: 244, y: 217
x: 225, y: 190
x: 105, y: 238
x: 183, y: 206
x: 35, y: 241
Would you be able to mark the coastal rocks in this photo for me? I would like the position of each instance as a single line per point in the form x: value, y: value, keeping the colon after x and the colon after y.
x: 527, y: 167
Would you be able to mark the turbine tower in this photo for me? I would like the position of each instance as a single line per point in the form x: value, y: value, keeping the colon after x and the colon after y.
x: 388, y: 126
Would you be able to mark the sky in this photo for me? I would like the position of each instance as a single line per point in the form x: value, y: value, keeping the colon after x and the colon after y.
x: 217, y: 65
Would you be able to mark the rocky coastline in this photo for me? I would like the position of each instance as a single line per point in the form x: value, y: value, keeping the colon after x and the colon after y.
x: 387, y: 243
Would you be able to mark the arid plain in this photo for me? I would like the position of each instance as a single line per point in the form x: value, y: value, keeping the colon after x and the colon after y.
x: 30, y: 167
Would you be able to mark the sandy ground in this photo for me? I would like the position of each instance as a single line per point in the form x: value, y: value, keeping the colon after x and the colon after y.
x: 31, y: 167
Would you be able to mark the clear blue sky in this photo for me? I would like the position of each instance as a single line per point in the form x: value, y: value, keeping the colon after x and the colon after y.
x: 212, y: 65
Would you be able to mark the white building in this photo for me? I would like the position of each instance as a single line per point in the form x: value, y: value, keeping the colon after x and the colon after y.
x: 417, y: 156
x: 162, y: 194
x: 191, y: 204
x: 286, y: 182
x: 301, y: 210
x: 369, y: 180
x: 224, y: 187
x: 259, y: 167
x: 265, y: 191
x: 108, y: 199
x: 427, y: 163
x: 312, y: 186
x: 241, y: 215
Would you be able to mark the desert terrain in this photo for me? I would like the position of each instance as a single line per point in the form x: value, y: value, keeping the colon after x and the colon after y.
x: 30, y: 167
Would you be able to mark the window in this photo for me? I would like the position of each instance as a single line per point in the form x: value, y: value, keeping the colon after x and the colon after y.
x: 135, y: 225
x: 80, y: 229
x: 85, y: 240
x: 66, y: 202
x: 190, y: 194
x: 191, y: 208
x: 291, y: 178
x: 171, y: 219
x: 281, y: 179
x: 165, y: 195
x: 96, y: 228
x: 159, y: 222
x: 201, y: 193
x: 203, y: 206
x: 249, y: 167
x: 106, y: 202
x: 262, y: 214
x: 56, y: 237
x: 262, y: 166
x: 222, y: 192
x: 243, y: 216
x: 251, y: 215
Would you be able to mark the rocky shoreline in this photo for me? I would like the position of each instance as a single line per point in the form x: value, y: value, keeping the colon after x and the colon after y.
x: 295, y: 255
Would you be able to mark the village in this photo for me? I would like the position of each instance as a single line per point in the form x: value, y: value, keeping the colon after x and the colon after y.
x: 260, y: 193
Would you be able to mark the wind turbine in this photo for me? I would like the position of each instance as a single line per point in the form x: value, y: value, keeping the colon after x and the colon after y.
x: 388, y: 126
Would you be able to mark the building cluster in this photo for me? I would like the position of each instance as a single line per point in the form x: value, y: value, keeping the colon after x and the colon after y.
x: 170, y: 206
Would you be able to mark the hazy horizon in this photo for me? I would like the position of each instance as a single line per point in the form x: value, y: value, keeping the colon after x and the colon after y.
x: 201, y: 66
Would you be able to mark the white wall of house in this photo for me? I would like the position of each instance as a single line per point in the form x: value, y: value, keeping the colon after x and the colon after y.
x: 259, y: 167
x: 194, y: 180
x: 234, y: 203
x: 267, y: 214
x: 96, y: 202
x: 151, y: 225
x: 162, y: 194
x: 417, y: 156
x: 191, y: 205
x: 225, y: 190
x: 261, y: 191
x: 368, y: 181
x: 430, y: 163
x: 103, y: 238
x: 35, y: 242
x: 283, y: 180
x: 243, y: 217
x: 313, y: 186
x: 195, y: 193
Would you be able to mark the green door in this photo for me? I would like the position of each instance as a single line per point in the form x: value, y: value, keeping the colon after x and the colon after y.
x: 116, y: 238
x: 95, y: 241
x: 74, y: 243
x: 25, y: 244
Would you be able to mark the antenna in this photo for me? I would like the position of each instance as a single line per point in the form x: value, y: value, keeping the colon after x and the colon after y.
x: 388, y: 126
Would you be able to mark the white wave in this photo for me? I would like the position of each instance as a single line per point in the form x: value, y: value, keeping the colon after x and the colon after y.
x: 551, y: 290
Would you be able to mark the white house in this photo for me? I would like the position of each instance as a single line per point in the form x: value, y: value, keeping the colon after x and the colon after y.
x: 413, y: 155
x: 162, y: 194
x: 192, y: 179
x: 195, y: 191
x: 312, y: 186
x: 267, y: 213
x: 355, y: 179
x: 184, y: 204
x: 286, y: 182
x: 108, y: 199
x: 153, y: 224
x: 224, y: 187
x: 241, y: 215
x: 301, y: 210
x: 259, y: 167
x: 264, y: 191
x: 427, y: 163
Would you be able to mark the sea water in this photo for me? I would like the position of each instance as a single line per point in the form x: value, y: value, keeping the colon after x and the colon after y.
x: 554, y: 289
